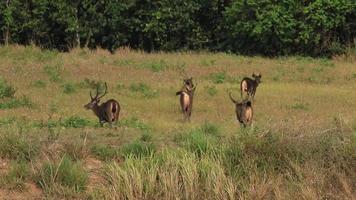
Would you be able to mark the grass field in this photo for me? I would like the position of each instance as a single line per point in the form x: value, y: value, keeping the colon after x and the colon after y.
x: 302, y: 144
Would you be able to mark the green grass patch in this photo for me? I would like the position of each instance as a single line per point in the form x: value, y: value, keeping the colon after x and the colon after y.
x: 143, y: 89
x: 218, y: 78
x: 134, y: 122
x: 69, y: 88
x: 53, y: 72
x: 211, y: 90
x: 155, y: 66
x: 104, y: 152
x: 23, y: 101
x: 16, y: 177
x: 6, y: 90
x: 65, y: 173
x: 18, y: 147
x: 137, y: 149
x: 39, y: 84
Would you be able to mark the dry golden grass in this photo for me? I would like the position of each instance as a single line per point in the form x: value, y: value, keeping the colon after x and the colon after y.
x: 298, y: 97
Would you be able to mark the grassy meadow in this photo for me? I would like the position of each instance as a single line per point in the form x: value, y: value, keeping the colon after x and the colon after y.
x: 301, y: 145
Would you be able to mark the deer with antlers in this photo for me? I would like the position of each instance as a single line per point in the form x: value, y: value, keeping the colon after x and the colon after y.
x: 244, y: 111
x: 106, y: 112
x: 186, y: 97
x: 249, y: 85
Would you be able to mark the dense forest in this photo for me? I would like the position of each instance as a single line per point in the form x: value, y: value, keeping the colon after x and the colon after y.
x: 266, y: 27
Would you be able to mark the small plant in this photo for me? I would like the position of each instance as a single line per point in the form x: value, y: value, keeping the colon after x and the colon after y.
x: 212, y: 91
x: 64, y: 173
x: 39, y: 84
x: 137, y: 149
x: 104, y: 152
x: 54, y: 72
x: 218, y: 78
x: 143, y: 89
x: 17, y: 175
x: 69, y: 88
x: 6, y: 91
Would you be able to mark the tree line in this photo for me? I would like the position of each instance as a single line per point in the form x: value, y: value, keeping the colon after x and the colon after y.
x: 266, y: 27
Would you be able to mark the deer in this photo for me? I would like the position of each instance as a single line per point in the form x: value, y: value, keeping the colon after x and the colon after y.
x: 249, y: 85
x: 244, y: 111
x: 186, y: 97
x: 107, y: 111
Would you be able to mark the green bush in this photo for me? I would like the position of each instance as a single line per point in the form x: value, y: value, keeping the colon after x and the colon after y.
x: 218, y: 78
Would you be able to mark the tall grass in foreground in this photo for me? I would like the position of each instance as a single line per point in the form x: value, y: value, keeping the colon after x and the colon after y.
x: 273, y: 166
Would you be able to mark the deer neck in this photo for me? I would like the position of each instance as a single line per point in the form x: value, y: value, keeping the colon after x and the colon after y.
x: 97, y: 110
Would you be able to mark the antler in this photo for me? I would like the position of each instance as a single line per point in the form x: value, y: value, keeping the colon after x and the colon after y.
x: 106, y: 91
x: 97, y: 93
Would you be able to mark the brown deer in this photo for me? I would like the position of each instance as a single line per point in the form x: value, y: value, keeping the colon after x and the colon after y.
x: 244, y: 111
x: 106, y: 112
x: 249, y: 85
x: 186, y: 97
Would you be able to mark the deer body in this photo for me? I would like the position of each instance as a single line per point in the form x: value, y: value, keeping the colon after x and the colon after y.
x: 186, y: 98
x: 244, y: 111
x: 106, y: 112
x: 249, y: 85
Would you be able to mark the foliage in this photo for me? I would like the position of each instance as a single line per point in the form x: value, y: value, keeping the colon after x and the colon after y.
x: 318, y: 27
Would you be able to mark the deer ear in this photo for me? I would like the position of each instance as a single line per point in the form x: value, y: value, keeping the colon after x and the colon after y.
x: 253, y: 74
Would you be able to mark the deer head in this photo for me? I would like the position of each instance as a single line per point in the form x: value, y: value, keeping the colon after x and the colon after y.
x: 257, y: 77
x: 96, y: 99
